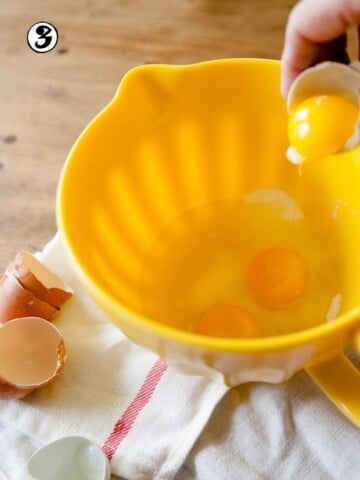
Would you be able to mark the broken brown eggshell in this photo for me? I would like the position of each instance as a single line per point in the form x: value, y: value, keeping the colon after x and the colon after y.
x: 32, y: 354
x: 16, y: 301
x: 32, y: 350
x: 9, y: 392
x: 39, y: 280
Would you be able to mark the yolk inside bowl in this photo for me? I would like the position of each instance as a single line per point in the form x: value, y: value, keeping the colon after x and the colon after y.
x: 278, y: 277
x: 254, y: 266
x: 321, y: 125
x: 229, y: 320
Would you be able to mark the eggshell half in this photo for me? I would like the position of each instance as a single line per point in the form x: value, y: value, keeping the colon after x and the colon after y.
x: 324, y: 78
x: 70, y: 458
x: 16, y: 301
x: 32, y: 354
x: 10, y: 392
x: 39, y: 280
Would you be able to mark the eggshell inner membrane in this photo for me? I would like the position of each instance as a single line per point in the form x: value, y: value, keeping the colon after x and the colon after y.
x: 38, y: 279
x: 70, y: 458
x: 326, y: 77
x: 32, y: 352
x: 17, y: 302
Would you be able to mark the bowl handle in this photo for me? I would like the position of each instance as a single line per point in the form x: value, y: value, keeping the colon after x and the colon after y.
x: 339, y: 379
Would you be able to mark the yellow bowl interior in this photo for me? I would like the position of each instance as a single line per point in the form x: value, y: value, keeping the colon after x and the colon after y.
x: 177, y: 137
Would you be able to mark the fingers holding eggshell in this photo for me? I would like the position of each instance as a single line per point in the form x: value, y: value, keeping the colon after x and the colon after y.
x: 32, y: 354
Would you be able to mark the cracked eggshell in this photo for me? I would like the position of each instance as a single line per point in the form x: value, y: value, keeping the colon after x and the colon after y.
x: 17, y: 302
x: 70, y: 457
x: 32, y: 354
x: 322, y: 79
x: 39, y: 280
x: 326, y: 77
x: 10, y: 392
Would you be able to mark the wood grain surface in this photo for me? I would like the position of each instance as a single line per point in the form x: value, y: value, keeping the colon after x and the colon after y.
x: 47, y: 99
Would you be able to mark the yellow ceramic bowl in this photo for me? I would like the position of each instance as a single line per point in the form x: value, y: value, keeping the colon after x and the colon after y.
x: 176, y: 137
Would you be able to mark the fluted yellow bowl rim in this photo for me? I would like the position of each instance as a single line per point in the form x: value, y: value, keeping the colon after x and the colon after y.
x: 312, y: 336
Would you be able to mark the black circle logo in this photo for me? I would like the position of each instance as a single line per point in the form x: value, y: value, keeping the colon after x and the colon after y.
x: 42, y: 37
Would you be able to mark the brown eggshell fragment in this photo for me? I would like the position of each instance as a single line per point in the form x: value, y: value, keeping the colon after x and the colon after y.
x: 39, y: 279
x: 16, y: 301
x: 32, y: 354
x: 10, y: 392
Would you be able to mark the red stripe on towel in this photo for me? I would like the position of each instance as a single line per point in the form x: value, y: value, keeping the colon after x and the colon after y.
x: 127, y: 419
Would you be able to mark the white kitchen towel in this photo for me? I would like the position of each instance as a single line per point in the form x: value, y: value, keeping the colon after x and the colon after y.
x: 145, y: 415
x: 148, y: 416
x: 289, y: 431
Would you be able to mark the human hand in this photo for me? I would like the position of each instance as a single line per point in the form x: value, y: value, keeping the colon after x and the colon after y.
x: 315, y: 32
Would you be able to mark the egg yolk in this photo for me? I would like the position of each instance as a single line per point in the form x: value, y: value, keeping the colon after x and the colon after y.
x: 229, y: 320
x: 278, y: 277
x: 321, y: 125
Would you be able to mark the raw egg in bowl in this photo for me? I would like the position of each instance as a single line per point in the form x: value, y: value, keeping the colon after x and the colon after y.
x: 187, y: 224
